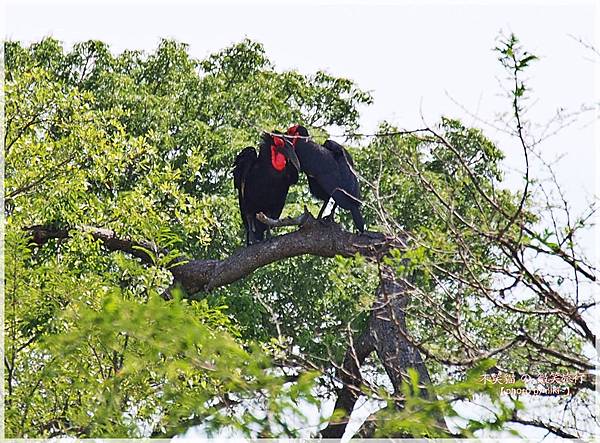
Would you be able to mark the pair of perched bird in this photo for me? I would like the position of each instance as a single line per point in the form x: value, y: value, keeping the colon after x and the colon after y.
x: 263, y: 180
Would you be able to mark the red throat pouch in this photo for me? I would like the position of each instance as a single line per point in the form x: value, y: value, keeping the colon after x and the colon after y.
x: 277, y: 158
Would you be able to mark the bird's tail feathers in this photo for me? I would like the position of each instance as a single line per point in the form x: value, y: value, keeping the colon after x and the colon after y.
x: 351, y: 203
x: 357, y: 217
x: 345, y: 198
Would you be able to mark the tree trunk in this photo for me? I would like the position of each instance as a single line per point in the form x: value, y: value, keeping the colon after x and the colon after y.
x: 386, y: 334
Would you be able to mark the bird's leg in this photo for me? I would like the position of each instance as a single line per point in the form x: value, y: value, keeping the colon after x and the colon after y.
x: 251, y: 230
x: 329, y: 216
x: 322, y: 209
x: 247, y: 229
x: 268, y: 233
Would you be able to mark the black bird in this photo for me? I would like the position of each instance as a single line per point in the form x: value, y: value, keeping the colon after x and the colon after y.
x: 330, y: 172
x: 263, y: 181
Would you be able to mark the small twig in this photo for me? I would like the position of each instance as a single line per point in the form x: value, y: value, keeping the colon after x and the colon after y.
x: 288, y: 221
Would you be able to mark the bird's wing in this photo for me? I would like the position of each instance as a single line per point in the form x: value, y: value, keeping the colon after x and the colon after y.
x: 346, y: 165
x: 334, y: 147
x: 348, y: 194
x: 242, y: 164
x: 315, y: 159
x: 338, y: 151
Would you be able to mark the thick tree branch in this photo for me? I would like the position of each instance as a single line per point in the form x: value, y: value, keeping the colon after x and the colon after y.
x: 351, y: 379
x: 315, y: 237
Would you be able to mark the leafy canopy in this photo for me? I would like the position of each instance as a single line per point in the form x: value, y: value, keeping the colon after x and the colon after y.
x: 143, y: 144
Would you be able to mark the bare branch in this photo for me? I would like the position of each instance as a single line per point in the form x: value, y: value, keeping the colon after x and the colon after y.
x: 288, y: 221
x: 110, y: 240
x: 538, y: 424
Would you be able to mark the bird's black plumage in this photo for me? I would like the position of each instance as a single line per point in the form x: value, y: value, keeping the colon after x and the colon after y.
x: 330, y: 172
x: 261, y: 186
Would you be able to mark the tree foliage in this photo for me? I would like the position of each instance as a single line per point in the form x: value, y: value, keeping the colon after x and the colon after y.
x: 142, y: 144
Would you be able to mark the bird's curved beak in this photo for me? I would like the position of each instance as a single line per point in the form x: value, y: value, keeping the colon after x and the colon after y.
x: 290, y: 154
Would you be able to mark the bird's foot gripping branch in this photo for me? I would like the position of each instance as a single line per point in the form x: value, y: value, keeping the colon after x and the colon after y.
x: 307, y: 217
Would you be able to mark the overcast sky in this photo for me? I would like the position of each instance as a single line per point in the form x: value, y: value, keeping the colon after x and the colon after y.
x: 415, y: 57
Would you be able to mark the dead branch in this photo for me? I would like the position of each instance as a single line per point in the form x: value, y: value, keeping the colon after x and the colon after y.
x: 288, y: 221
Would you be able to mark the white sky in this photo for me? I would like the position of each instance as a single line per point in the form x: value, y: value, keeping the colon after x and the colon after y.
x: 409, y: 54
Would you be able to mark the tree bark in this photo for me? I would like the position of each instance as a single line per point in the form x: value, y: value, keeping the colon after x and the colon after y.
x: 388, y: 327
x: 350, y: 377
x: 385, y: 334
x: 315, y: 237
